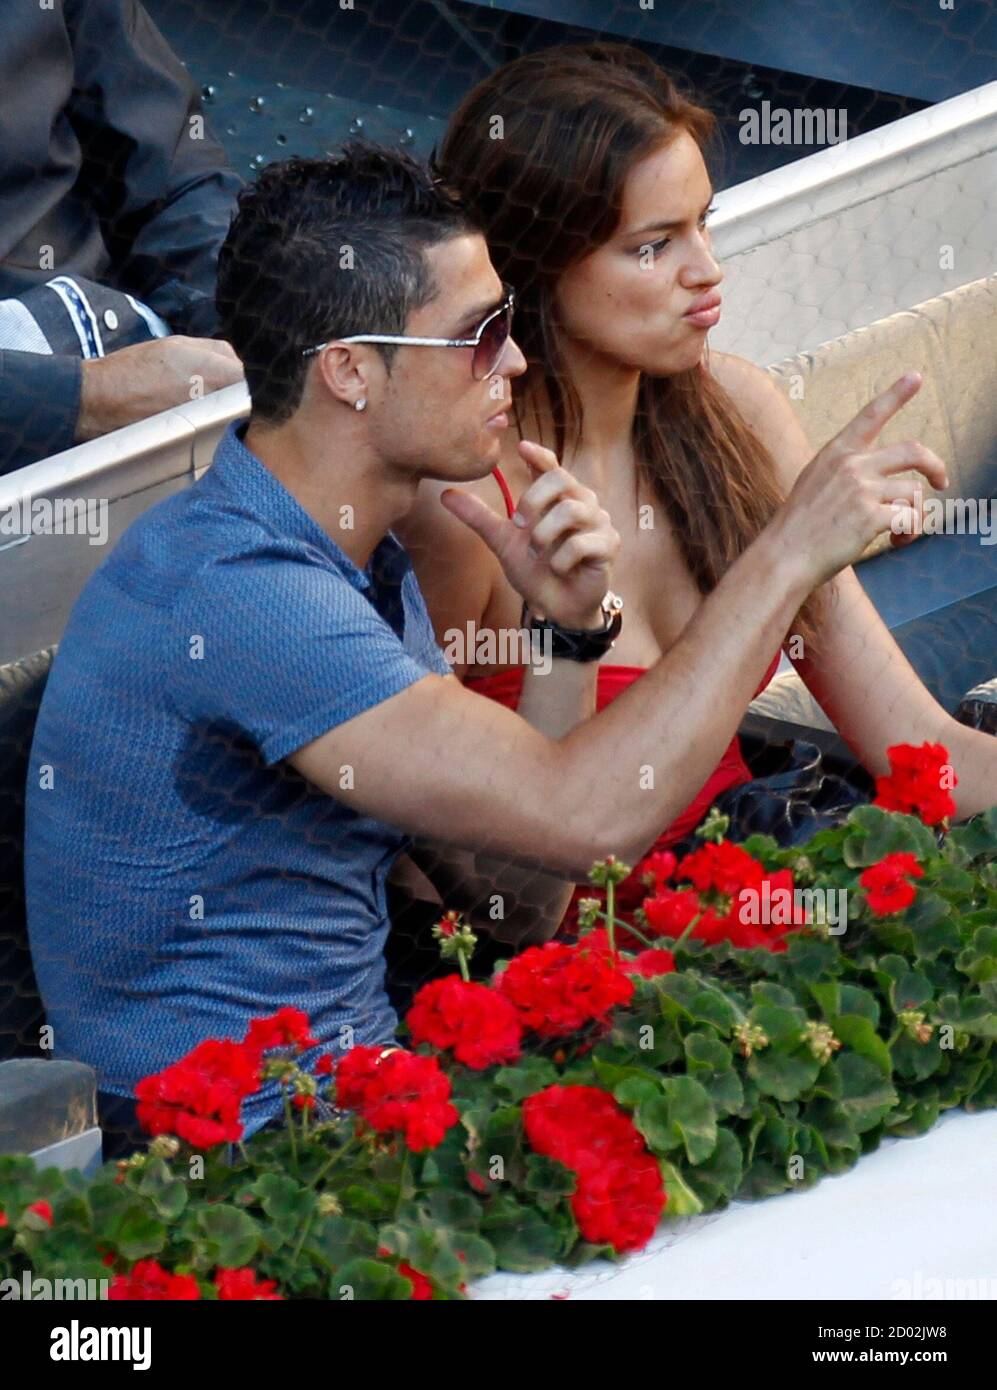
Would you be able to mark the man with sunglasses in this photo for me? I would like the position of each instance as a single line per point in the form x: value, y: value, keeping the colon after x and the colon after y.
x: 249, y: 717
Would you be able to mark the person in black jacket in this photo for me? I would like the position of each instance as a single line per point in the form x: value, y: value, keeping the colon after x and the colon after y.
x: 114, y: 201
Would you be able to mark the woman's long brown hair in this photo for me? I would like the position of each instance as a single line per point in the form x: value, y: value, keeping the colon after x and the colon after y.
x: 540, y: 152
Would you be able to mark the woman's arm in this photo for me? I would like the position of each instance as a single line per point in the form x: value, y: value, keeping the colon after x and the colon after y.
x: 859, y: 676
x: 460, y: 577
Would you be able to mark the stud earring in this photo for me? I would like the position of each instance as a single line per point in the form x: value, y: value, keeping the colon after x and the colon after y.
x: 360, y: 404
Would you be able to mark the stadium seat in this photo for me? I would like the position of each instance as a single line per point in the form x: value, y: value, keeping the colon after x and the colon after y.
x: 47, y: 1107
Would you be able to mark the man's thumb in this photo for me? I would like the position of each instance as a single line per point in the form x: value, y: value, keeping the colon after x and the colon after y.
x: 475, y: 514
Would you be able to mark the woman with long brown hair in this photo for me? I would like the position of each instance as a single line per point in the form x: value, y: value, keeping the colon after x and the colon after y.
x: 586, y: 169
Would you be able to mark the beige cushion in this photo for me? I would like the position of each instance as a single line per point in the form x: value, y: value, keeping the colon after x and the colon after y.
x: 786, y: 697
x: 952, y: 342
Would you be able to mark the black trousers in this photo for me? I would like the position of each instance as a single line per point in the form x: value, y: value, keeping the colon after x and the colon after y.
x: 122, y: 1133
x: 412, y: 953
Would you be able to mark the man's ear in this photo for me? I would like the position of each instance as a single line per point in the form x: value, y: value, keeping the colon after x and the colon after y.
x: 346, y: 371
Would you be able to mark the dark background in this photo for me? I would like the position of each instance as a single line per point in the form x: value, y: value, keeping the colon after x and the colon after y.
x: 299, y: 76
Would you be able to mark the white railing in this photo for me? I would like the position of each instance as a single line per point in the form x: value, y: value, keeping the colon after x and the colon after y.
x: 120, y: 475
x: 859, y: 230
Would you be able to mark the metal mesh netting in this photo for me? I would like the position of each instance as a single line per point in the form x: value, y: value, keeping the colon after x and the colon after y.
x: 280, y: 79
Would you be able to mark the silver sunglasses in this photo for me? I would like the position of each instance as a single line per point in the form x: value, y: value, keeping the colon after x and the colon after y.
x: 490, y: 338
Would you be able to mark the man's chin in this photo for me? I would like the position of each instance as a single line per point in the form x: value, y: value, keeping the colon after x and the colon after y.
x: 474, y: 466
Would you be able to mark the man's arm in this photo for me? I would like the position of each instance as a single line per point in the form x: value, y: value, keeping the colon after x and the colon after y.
x: 437, y: 760
x: 160, y: 182
x: 40, y: 396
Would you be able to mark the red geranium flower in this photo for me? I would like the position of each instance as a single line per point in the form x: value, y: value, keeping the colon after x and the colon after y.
x: 914, y: 784
x: 480, y: 1025
x: 657, y: 868
x: 397, y: 1091
x: 3, y: 1219
x: 303, y: 1102
x: 325, y: 1065
x: 619, y: 1203
x: 671, y: 910
x: 724, y: 868
x: 656, y: 961
x: 422, y: 1289
x: 199, y: 1098
x: 578, y: 1125
x: 887, y: 886
x: 148, y: 1281
x: 286, y: 1028
x: 777, y: 890
x: 557, y: 989
x: 619, y: 1195
x: 42, y: 1209
x: 240, y: 1285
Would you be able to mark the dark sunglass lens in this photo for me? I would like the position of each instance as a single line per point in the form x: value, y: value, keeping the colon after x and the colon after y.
x: 491, y: 345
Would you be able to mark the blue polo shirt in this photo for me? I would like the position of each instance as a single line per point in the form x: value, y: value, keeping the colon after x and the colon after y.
x: 181, y: 878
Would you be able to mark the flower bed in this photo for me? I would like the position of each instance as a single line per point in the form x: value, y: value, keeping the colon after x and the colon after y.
x: 659, y: 1066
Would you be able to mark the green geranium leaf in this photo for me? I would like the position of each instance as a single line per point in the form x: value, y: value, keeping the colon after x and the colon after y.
x: 811, y: 958
x: 916, y: 1061
x: 682, y: 1200
x: 476, y: 1255
x: 717, y: 1179
x: 285, y: 1202
x: 711, y: 1064
x: 922, y: 1116
x: 634, y: 1090
x: 911, y: 991
x: 867, y: 1096
x: 978, y: 837
x: 335, y: 1240
x: 833, y: 1124
x: 138, y: 1234
x: 934, y: 929
x: 458, y: 1210
x: 855, y: 1000
x: 979, y: 959
x: 526, y: 1078
x: 784, y: 1074
x: 228, y: 1236
x: 827, y: 997
x: 693, y: 1115
x: 706, y: 1053
x: 780, y: 1025
x: 369, y: 1201
x: 370, y: 1280
x: 522, y: 1240
x: 547, y: 1176
x: 984, y: 1096
x: 891, y: 968
x: 859, y: 1034
x: 875, y: 833
x: 653, y: 1119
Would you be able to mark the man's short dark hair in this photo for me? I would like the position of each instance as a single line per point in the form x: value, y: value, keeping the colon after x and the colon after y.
x: 323, y: 248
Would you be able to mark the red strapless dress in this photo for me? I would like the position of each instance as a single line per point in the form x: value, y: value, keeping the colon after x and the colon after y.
x: 507, y: 687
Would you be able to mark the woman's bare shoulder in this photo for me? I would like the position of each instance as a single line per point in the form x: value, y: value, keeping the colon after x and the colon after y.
x: 752, y: 390
x: 765, y: 409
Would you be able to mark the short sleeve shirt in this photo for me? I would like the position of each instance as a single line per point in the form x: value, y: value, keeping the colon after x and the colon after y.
x: 181, y: 877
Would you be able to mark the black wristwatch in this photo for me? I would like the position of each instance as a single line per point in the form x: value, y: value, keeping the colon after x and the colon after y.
x: 578, y: 644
